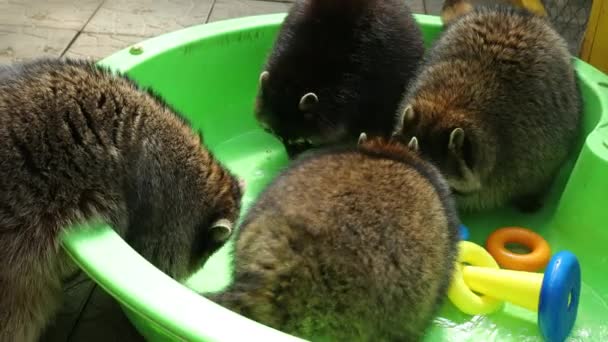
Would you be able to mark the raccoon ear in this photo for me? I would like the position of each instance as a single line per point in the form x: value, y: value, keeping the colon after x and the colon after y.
x: 408, y: 114
x: 413, y: 145
x: 362, y: 138
x: 406, y: 117
x: 221, y: 230
x: 308, y: 101
x: 263, y: 79
x: 456, y: 139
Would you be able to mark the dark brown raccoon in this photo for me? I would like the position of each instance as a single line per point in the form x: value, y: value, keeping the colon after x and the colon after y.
x: 453, y: 9
x: 496, y: 107
x: 347, y: 245
x: 338, y: 67
x: 79, y: 144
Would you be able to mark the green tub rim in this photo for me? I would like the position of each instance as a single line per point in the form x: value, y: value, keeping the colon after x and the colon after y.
x: 176, y: 310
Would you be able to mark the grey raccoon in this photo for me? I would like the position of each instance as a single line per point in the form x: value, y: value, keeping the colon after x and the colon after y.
x: 80, y: 144
x: 347, y: 245
x: 497, y: 107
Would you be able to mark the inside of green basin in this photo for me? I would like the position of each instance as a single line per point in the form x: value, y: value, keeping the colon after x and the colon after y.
x: 210, y: 74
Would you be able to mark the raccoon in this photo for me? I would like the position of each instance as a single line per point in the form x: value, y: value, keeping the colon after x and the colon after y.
x: 79, y: 144
x: 496, y: 107
x: 338, y: 67
x: 452, y: 9
x: 348, y: 244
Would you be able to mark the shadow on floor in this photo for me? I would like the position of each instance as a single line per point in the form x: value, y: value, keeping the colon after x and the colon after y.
x: 89, y: 314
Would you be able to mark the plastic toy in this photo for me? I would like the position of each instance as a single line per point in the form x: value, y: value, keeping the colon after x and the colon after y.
x: 554, y: 295
x: 459, y: 292
x: 539, y: 255
x: 464, y: 232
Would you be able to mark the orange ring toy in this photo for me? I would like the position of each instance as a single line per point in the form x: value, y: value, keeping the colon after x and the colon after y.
x: 539, y: 255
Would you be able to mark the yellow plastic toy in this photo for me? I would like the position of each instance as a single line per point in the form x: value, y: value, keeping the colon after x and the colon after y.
x: 460, y: 293
x: 517, y: 287
x: 554, y: 295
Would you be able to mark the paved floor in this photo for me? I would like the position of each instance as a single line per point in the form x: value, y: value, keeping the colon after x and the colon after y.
x: 96, y: 28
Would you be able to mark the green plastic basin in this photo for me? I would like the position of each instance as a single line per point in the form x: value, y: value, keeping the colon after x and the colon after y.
x: 210, y: 73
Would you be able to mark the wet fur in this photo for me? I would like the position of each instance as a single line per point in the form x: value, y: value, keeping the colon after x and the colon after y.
x: 356, y: 56
x: 506, y: 78
x: 347, y: 245
x: 79, y: 144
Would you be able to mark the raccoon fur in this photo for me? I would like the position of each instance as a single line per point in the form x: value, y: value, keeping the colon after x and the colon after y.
x: 348, y: 244
x: 79, y: 144
x: 496, y: 107
x: 337, y: 68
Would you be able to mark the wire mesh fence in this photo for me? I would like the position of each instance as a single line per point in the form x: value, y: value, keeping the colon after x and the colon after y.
x: 570, y: 18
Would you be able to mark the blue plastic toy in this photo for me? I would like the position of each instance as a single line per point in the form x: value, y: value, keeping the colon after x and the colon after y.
x: 464, y: 232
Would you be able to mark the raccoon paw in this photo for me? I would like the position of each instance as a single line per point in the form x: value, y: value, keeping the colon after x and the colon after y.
x: 529, y: 204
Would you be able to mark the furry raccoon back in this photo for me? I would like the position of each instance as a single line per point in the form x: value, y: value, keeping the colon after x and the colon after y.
x: 80, y: 144
x: 497, y: 107
x: 348, y: 245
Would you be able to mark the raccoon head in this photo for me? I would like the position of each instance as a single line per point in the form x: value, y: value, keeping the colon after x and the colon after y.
x: 180, y: 213
x: 448, y: 141
x: 297, y: 114
x: 214, y: 225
